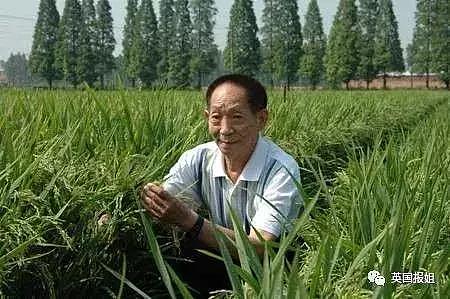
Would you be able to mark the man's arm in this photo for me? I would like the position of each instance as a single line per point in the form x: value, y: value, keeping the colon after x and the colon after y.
x: 166, y: 208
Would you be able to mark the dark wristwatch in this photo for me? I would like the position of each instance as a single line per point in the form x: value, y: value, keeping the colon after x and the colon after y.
x: 196, y: 228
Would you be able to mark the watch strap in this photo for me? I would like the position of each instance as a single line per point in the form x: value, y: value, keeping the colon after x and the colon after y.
x: 196, y: 228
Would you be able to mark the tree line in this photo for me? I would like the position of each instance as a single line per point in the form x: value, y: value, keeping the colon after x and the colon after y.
x: 78, y: 47
x: 178, y: 49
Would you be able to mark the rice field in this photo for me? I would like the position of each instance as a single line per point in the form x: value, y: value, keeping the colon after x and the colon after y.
x: 375, y: 178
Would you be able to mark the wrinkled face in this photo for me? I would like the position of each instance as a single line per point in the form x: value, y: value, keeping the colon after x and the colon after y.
x: 233, y: 125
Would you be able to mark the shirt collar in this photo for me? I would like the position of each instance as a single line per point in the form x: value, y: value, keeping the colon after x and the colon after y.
x: 252, y: 169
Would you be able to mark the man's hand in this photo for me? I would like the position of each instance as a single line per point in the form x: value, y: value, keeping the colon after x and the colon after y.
x: 166, y: 208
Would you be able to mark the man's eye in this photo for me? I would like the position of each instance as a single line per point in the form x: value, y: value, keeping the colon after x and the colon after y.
x: 237, y: 116
x: 214, y: 117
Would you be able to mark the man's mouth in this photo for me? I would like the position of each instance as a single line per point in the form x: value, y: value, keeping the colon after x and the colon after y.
x: 227, y: 142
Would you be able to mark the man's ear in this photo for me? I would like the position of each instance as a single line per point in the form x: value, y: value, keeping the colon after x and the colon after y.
x: 262, y: 116
x: 206, y: 113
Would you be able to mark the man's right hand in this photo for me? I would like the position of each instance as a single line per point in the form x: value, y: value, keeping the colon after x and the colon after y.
x: 166, y: 208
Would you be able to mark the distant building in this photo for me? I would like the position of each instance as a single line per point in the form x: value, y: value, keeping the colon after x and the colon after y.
x: 401, y: 80
x: 3, y: 79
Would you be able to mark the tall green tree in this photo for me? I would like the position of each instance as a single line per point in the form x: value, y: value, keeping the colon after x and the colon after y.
x: 388, y: 51
x: 204, y: 50
x: 269, y: 30
x: 89, y: 48
x: 440, y: 42
x: 130, y: 60
x: 166, y: 36
x: 368, y: 11
x: 69, y: 43
x: 242, y: 51
x: 148, y: 55
x: 288, y: 44
x: 423, y: 32
x: 106, y: 41
x: 180, y: 52
x: 314, y: 45
x: 341, y: 57
x: 43, y: 52
x: 16, y: 69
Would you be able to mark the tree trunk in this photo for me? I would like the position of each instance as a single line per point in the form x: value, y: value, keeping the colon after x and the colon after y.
x: 50, y: 83
x: 412, y: 81
x: 347, y: 85
x: 384, y: 81
x: 133, y: 82
x: 284, y: 92
x: 367, y: 84
x: 427, y: 82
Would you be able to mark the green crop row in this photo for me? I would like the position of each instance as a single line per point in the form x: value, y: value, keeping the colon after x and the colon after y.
x: 69, y: 157
x: 389, y: 212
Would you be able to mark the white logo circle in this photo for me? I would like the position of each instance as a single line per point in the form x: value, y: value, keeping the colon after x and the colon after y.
x: 379, y: 280
x: 372, y: 275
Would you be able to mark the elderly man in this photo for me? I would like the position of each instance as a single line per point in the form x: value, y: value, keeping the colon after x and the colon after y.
x: 240, y: 169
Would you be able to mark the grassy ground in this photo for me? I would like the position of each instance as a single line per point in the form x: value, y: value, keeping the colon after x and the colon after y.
x: 68, y: 157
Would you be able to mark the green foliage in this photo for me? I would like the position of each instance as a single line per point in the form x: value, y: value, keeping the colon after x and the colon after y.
x: 106, y: 41
x: 368, y: 16
x: 242, y: 51
x: 270, y: 19
x: 166, y: 36
x: 282, y: 40
x: 388, y: 51
x: 180, y: 51
x: 342, y: 56
x: 314, y: 45
x: 16, y: 69
x: 421, y: 44
x: 69, y: 42
x: 129, y: 42
x: 43, y: 51
x: 288, y: 42
x: 204, y: 50
x: 391, y: 195
x: 430, y: 45
x: 88, y: 53
x: 146, y: 44
x: 440, y: 43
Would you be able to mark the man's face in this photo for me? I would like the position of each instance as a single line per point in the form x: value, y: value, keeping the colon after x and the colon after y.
x: 230, y: 120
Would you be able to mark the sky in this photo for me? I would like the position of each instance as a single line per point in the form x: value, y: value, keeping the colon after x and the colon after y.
x: 17, y: 19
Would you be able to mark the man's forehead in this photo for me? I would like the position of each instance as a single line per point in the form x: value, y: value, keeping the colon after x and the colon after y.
x: 229, y: 96
x: 228, y: 104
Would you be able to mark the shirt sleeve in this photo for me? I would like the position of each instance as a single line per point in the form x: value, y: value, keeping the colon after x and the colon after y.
x: 280, y: 202
x: 182, y: 181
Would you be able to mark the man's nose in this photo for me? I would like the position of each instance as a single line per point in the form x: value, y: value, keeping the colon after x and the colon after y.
x: 226, y: 127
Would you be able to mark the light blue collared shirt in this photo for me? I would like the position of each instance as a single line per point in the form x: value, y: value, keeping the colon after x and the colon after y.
x: 265, y: 195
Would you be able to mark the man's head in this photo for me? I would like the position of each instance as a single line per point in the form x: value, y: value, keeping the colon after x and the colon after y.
x: 236, y: 112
